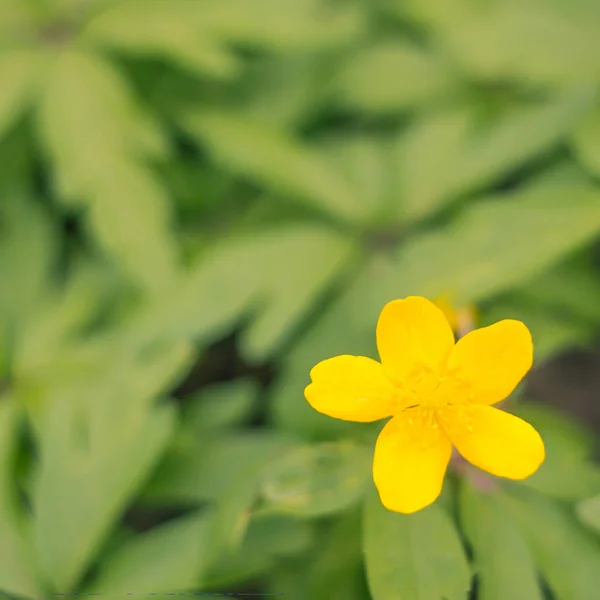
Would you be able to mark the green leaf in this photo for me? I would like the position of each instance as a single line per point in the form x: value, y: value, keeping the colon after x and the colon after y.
x: 392, y: 76
x: 164, y: 32
x: 286, y: 26
x: 567, y: 473
x: 17, y: 567
x: 572, y: 288
x: 318, y: 480
x: 585, y: 140
x: 279, y: 272
x: 299, y: 264
x: 453, y: 152
x: 100, y: 437
x: 588, y: 511
x: 28, y: 250
x: 96, y: 138
x: 494, y: 42
x: 205, y: 467
x: 269, y: 538
x: 498, y: 547
x: 500, y: 242
x: 337, y: 560
x: 169, y: 558
x: 18, y: 69
x: 413, y: 557
x: 219, y: 406
x: 275, y: 159
x: 564, y: 551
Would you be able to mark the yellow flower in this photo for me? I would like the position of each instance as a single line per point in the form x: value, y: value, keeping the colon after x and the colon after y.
x: 439, y: 393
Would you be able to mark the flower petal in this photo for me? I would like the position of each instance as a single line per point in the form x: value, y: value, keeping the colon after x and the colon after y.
x: 414, y: 340
x: 493, y: 440
x: 487, y: 364
x: 411, y: 457
x: 351, y: 388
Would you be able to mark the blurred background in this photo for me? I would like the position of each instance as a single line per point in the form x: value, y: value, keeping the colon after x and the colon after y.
x: 201, y: 199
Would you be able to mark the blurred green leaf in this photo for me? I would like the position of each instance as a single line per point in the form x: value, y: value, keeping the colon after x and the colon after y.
x: 18, y: 70
x: 17, y: 567
x: 168, y: 558
x: 277, y: 273
x: 219, y: 406
x: 268, y: 538
x: 318, y: 480
x: 416, y: 556
x: 488, y: 247
x: 165, y: 31
x: 284, y: 26
x: 567, y: 473
x: 585, y: 140
x: 273, y: 158
x: 97, y: 139
x: 337, y: 560
x: 28, y: 252
x: 299, y: 264
x: 206, y: 466
x: 533, y: 42
x: 99, y: 440
x: 566, y: 554
x: 392, y: 76
x: 498, y: 547
x: 572, y: 287
x: 454, y: 152
x: 588, y: 511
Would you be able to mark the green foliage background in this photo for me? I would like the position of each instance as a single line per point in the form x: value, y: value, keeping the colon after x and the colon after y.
x: 272, y: 172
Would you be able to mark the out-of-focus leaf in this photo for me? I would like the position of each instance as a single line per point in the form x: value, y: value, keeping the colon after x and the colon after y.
x: 533, y: 42
x: 219, y: 406
x: 452, y: 152
x: 165, y: 31
x: 282, y: 26
x: 337, y: 560
x: 364, y: 162
x: 17, y: 569
x: 99, y: 440
x: 572, y: 287
x: 275, y: 159
x: 393, y: 76
x: 268, y: 538
x: 297, y: 265
x: 585, y: 140
x: 567, y: 473
x: 97, y: 140
x: 169, y: 558
x: 488, y: 247
x: 318, y: 480
x: 28, y: 251
x: 18, y: 69
x: 588, y: 511
x: 204, y: 468
x: 78, y: 495
x: 413, y: 557
x: 566, y: 554
x: 498, y: 547
x: 279, y: 272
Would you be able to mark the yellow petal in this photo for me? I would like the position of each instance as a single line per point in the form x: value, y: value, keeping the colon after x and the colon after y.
x: 352, y: 388
x: 414, y: 340
x: 493, y: 440
x: 411, y: 457
x: 487, y: 364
